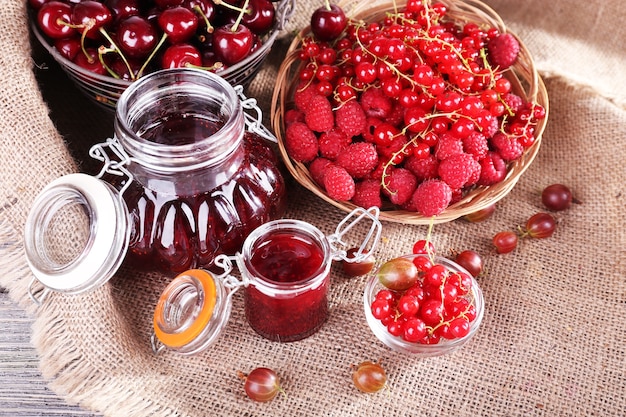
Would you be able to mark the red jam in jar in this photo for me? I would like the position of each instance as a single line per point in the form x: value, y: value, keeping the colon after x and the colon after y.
x: 201, y: 182
x: 287, y: 263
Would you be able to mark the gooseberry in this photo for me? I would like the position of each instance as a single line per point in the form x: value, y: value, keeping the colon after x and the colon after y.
x: 398, y: 274
x: 355, y: 269
x: 471, y: 261
x: 261, y: 384
x: 369, y: 377
x: 540, y: 226
x: 505, y: 241
x: 480, y: 215
x: 556, y: 197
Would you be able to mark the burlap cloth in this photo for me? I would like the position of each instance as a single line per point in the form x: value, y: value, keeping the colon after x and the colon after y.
x: 553, y: 340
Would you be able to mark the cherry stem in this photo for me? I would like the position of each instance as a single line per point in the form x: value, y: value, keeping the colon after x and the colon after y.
x: 114, y: 48
x: 213, y: 67
x: 209, y: 27
x: 102, y: 50
x: 242, y: 10
x: 152, y: 54
x: 327, y: 4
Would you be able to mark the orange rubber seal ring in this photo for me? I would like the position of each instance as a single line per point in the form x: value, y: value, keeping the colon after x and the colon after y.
x: 178, y: 339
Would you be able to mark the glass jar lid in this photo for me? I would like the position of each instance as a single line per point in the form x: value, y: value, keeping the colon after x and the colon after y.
x: 191, y: 312
x: 76, y: 234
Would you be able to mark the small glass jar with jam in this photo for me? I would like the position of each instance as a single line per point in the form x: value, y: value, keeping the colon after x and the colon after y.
x: 186, y: 178
x: 285, y: 276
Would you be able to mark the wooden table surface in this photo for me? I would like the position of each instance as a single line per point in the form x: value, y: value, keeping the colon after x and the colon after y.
x: 23, y: 391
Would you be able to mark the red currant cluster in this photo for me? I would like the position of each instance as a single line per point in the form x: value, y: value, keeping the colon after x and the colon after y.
x: 424, y: 301
x: 433, y: 100
x: 128, y: 38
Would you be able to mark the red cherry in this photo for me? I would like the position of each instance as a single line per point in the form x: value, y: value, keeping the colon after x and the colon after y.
x: 136, y: 37
x: 92, y: 17
x: 165, y: 4
x: 124, y: 70
x: 259, y: 16
x: 232, y: 43
x: 205, y: 9
x: 54, y: 19
x: 328, y: 22
x: 181, y: 55
x: 178, y: 24
x: 68, y: 47
x: 36, y: 4
x: 89, y: 61
x: 122, y: 9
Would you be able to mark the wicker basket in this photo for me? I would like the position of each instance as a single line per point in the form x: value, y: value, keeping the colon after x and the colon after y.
x: 523, y: 76
x: 106, y: 90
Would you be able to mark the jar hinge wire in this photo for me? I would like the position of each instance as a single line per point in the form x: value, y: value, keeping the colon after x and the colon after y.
x: 110, y: 165
x: 254, y: 124
x: 345, y: 226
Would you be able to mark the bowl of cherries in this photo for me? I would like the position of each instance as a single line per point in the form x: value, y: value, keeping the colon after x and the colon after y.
x: 105, y: 46
x: 423, y: 304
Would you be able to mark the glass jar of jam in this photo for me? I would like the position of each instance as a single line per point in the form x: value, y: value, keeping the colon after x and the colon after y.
x: 201, y: 182
x: 187, y: 177
x: 285, y: 274
x: 287, y: 264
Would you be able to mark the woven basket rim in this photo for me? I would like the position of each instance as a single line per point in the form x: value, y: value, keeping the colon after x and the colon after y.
x: 523, y: 75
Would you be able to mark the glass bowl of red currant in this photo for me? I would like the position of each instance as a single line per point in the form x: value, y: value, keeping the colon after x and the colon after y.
x: 423, y: 304
x: 105, y: 46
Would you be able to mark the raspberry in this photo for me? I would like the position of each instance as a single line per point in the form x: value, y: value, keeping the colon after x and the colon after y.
x: 301, y: 142
x: 303, y: 94
x: 457, y: 170
x: 493, y: 169
x: 422, y: 168
x: 375, y: 103
x: 359, y: 159
x: 317, y: 169
x: 293, y: 115
x: 351, y: 119
x: 503, y: 50
x: 475, y: 175
x: 476, y: 144
x: 490, y: 127
x: 447, y: 146
x: 513, y: 102
x: 338, y: 183
x: 371, y: 123
x: 367, y: 194
x: 508, y: 147
x: 319, y: 114
x: 331, y: 143
x: 400, y: 185
x: 431, y: 197
x: 396, y: 115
